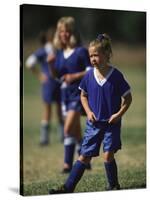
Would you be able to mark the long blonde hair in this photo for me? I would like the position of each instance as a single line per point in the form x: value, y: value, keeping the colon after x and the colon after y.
x: 69, y: 23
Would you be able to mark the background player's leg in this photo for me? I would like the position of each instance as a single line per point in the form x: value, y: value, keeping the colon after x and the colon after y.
x: 111, y: 170
x: 79, y: 139
x: 69, y: 139
x: 60, y: 120
x: 78, y: 134
x: 45, y: 126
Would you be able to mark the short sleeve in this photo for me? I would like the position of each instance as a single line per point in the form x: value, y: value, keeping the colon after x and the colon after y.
x: 49, y: 49
x: 37, y: 56
x: 40, y: 54
x: 83, y: 84
x: 31, y: 61
x: 124, y: 87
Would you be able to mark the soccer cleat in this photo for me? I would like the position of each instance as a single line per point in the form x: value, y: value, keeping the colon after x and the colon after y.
x: 43, y: 144
x: 66, y: 170
x: 88, y: 166
x: 61, y: 190
x: 115, y: 187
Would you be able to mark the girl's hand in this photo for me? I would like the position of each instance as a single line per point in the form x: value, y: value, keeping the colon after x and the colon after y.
x: 114, y: 118
x: 50, y: 58
x: 91, y: 116
x: 68, y: 78
x: 43, y: 78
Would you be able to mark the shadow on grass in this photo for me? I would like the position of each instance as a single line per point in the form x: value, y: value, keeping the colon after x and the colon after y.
x: 15, y: 190
x: 131, y: 187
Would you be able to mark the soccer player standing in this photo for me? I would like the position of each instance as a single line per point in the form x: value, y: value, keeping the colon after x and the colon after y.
x: 105, y: 96
x: 72, y: 60
x: 50, y: 88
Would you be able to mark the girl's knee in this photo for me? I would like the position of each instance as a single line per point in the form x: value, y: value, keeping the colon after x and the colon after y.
x: 108, y: 156
x: 68, y: 129
x: 68, y: 132
x: 84, y: 159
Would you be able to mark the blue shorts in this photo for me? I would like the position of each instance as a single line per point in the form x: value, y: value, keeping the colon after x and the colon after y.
x: 70, y: 99
x: 100, y: 132
x: 71, y: 105
x: 51, y: 91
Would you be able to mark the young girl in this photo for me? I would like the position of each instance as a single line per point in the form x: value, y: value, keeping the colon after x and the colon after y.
x: 45, y: 55
x: 105, y: 96
x: 72, y: 60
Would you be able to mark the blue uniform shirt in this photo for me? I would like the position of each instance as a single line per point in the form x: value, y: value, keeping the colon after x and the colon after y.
x: 104, y: 97
x: 50, y: 88
x: 41, y: 56
x: 78, y: 61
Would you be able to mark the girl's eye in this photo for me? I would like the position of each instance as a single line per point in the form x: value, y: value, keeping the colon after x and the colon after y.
x: 94, y: 55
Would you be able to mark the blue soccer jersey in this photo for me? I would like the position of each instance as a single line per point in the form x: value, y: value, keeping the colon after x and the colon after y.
x: 78, y: 61
x: 41, y: 56
x: 104, y: 97
x: 50, y: 88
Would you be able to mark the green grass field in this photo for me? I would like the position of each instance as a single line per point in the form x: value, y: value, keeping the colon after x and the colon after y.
x: 42, y: 166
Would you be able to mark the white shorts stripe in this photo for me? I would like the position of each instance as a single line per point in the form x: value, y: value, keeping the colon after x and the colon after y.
x: 69, y: 141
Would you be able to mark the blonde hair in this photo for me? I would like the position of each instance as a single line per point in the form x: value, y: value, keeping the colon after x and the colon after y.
x: 103, y: 44
x: 69, y: 23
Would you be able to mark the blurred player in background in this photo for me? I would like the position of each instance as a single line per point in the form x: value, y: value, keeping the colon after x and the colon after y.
x: 50, y: 88
x: 72, y: 61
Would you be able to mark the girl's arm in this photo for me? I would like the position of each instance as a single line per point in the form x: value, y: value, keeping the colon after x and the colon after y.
x: 31, y: 63
x: 40, y: 76
x: 51, y: 60
x: 53, y: 71
x: 84, y: 100
x: 124, y: 107
x: 69, y: 78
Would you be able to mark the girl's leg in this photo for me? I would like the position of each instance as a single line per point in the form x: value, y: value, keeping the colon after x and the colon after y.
x: 60, y: 120
x: 77, y: 128
x: 79, y: 139
x: 76, y: 173
x: 69, y: 139
x: 111, y: 170
x: 78, y: 134
x: 74, y: 177
x: 45, y: 126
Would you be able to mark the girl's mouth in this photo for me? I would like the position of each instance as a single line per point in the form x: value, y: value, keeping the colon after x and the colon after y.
x: 94, y: 64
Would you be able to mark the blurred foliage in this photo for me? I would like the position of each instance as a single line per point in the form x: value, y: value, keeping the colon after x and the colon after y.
x: 124, y: 26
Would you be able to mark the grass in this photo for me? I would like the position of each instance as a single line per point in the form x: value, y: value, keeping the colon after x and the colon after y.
x: 42, y: 166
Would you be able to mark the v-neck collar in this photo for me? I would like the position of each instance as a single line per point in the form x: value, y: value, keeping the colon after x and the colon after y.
x: 103, y: 81
x: 68, y: 54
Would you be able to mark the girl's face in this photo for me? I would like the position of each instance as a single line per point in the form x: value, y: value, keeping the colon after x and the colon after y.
x: 64, y: 34
x: 97, y: 58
